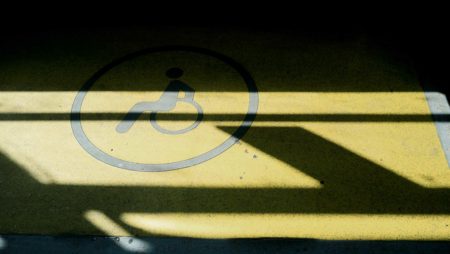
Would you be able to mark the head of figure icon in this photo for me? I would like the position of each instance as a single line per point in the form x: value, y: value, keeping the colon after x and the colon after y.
x: 174, y: 73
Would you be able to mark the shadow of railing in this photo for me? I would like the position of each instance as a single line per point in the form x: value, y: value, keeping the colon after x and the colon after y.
x: 307, y: 117
x: 350, y: 185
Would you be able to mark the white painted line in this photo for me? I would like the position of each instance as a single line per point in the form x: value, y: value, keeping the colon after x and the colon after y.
x: 438, y: 104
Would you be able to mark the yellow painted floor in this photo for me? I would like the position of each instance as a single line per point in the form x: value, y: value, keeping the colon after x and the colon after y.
x: 343, y: 145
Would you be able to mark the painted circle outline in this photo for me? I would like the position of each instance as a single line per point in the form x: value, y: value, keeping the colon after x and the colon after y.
x: 88, y: 146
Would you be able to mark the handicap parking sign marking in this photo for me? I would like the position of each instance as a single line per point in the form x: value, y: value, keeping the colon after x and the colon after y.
x: 176, y: 80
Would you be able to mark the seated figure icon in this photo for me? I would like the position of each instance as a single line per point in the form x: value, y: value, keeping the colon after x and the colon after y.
x: 166, y: 103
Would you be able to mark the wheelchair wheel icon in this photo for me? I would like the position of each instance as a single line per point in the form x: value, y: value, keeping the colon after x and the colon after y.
x: 194, y: 125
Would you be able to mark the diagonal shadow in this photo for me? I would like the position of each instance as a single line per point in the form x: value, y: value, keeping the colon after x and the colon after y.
x: 352, y: 185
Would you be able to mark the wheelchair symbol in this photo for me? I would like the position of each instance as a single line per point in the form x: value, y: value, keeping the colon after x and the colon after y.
x: 166, y: 103
x: 176, y: 91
